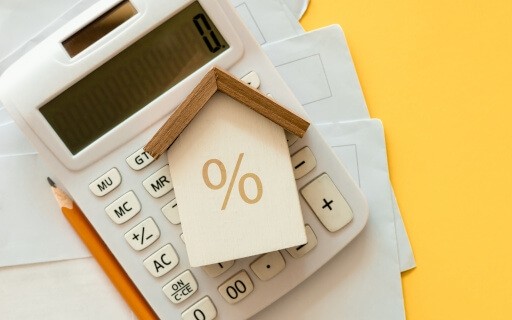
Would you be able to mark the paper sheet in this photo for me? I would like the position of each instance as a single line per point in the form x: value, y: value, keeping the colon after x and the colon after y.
x: 18, y: 13
x: 363, y: 280
x: 29, y: 22
x: 4, y: 116
x: 13, y: 142
x: 32, y: 228
x: 297, y: 7
x: 268, y: 20
x: 318, y: 68
x: 73, y: 289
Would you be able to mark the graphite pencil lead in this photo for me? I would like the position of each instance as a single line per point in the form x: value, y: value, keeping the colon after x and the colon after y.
x: 50, y: 181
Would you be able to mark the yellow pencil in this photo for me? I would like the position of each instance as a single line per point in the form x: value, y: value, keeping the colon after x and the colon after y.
x: 103, y: 256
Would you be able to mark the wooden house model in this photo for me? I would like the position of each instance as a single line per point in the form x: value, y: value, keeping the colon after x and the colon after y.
x: 231, y: 170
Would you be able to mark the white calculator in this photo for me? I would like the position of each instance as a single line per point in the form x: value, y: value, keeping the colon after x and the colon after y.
x: 93, y: 94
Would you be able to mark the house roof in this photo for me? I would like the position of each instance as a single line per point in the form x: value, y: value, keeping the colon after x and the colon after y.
x: 220, y: 80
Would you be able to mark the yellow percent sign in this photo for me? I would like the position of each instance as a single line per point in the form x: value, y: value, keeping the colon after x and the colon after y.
x: 241, y: 182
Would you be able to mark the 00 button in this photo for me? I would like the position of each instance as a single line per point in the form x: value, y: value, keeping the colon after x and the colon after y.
x: 236, y: 288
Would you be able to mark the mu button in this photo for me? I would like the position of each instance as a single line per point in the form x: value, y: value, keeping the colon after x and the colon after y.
x: 106, y: 183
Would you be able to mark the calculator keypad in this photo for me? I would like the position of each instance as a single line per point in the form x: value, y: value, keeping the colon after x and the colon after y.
x: 321, y: 195
x: 236, y: 288
x: 159, y: 183
x: 124, y: 208
x: 327, y: 203
x: 181, y: 287
x: 143, y: 234
x: 268, y: 265
x: 204, y: 309
x: 106, y: 183
x: 162, y: 261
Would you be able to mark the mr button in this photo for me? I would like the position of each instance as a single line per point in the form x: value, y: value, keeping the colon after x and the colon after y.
x: 159, y: 183
x: 162, y: 261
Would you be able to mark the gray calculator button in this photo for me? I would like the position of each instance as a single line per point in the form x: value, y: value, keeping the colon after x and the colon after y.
x: 327, y: 203
x: 290, y: 138
x: 170, y: 211
x: 303, y: 161
x: 252, y: 79
x: 143, y: 234
x: 204, y: 309
x: 124, y: 208
x: 159, y: 183
x: 236, y: 288
x: 216, y: 269
x: 181, y: 287
x: 106, y: 183
x: 268, y: 265
x: 300, y: 251
x: 162, y: 261
x: 139, y: 159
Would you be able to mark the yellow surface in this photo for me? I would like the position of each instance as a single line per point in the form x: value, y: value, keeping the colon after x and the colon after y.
x: 439, y: 75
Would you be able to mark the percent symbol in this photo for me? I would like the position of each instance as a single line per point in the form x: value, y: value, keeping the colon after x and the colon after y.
x: 241, y: 182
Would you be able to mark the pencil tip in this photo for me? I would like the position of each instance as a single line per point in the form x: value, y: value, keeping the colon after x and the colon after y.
x: 50, y: 181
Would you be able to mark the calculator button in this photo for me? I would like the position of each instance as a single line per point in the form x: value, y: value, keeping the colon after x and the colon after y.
x: 170, y: 211
x: 236, y: 288
x: 303, y: 161
x: 139, y: 159
x: 106, y: 183
x: 252, y: 79
x: 290, y: 138
x: 216, y: 269
x: 162, y: 261
x: 143, y: 234
x: 327, y: 203
x: 159, y: 183
x: 182, y: 237
x: 268, y: 265
x: 181, y: 287
x: 300, y: 251
x: 124, y: 208
x: 204, y: 309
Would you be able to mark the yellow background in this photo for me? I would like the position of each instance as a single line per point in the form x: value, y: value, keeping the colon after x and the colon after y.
x: 439, y: 75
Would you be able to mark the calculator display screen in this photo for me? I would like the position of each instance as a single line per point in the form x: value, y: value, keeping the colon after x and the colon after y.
x: 134, y: 77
